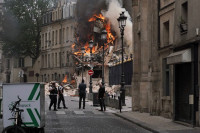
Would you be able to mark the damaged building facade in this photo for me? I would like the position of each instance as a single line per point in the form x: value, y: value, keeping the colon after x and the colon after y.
x: 166, y: 59
x: 57, y: 37
x: 102, y: 15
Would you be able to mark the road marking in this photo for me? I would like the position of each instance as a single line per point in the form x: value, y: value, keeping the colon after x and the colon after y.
x: 79, y: 112
x: 60, y: 112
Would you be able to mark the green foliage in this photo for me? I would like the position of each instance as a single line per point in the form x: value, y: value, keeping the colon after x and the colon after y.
x: 21, y: 24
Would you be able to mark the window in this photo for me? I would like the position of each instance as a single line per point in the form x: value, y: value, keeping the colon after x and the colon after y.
x: 184, y: 18
x: 184, y: 12
x: 49, y: 42
x: 52, y: 59
x: 56, y: 36
x: 21, y: 62
x: 166, y: 77
x: 42, y: 62
x: 45, y: 61
x: 166, y: 33
x: 42, y: 78
x: 52, y: 38
x: 49, y: 60
x: 8, y: 63
x: 45, y: 40
x: 60, y: 36
x: 67, y: 35
x: 63, y: 35
x: 56, y: 60
x: 42, y: 43
x: 67, y: 57
x: 56, y: 16
x: 31, y: 74
x: 72, y: 33
x: 59, y: 59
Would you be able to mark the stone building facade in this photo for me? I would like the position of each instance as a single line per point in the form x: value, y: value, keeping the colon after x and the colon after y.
x: 145, y: 91
x: 57, y: 37
x: 1, y: 42
x: 166, y: 59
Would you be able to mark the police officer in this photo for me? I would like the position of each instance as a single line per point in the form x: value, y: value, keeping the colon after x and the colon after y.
x: 53, y: 96
x: 82, y: 93
x: 60, y: 96
x: 101, y: 94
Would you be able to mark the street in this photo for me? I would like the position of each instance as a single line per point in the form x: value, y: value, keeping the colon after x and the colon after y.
x: 89, y: 120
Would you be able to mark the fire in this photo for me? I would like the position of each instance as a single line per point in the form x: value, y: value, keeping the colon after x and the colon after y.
x: 95, y: 17
x: 65, y: 79
x: 110, y: 37
x: 104, y: 24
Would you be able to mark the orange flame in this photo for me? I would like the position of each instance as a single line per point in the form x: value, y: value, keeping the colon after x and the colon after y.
x: 94, y: 17
x: 65, y: 79
x: 110, y: 37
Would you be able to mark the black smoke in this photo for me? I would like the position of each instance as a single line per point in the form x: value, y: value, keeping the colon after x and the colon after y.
x: 84, y: 11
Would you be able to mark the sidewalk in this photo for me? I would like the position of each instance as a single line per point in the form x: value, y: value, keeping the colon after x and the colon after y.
x: 156, y: 124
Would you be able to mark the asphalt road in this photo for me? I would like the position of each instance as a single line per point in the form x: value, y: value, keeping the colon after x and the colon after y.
x: 89, y: 120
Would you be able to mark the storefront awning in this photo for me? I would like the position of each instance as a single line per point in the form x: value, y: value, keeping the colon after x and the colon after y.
x: 179, y: 57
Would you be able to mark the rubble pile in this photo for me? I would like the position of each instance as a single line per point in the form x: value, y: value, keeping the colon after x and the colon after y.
x: 69, y: 91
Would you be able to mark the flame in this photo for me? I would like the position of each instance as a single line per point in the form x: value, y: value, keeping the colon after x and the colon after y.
x: 65, y: 79
x: 110, y: 37
x: 95, y: 16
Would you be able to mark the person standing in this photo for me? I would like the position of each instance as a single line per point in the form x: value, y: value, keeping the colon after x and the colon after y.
x: 82, y: 93
x: 101, y: 94
x: 60, y: 96
x: 53, y: 96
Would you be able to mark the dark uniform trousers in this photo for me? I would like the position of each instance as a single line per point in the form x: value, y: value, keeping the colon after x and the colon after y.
x: 81, y: 96
x: 102, y: 104
x: 53, y: 102
x: 61, y: 98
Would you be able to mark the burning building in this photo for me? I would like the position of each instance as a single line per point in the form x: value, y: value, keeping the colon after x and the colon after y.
x: 93, y: 16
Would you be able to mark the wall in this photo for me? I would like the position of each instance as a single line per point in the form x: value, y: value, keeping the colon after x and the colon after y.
x: 57, y: 38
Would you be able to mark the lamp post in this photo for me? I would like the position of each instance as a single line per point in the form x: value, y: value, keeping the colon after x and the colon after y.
x: 82, y: 51
x: 122, y: 23
x: 91, y: 43
x: 103, y: 38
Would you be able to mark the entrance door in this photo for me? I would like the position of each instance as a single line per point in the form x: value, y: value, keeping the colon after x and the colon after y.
x: 183, y: 86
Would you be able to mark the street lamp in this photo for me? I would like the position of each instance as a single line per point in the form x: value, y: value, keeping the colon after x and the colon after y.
x: 122, y: 23
x: 82, y: 51
x: 91, y: 43
x: 103, y: 38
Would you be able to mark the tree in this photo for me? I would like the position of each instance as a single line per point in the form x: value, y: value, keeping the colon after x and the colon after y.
x: 21, y: 23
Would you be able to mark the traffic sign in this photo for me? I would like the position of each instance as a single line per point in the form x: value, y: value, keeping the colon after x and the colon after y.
x: 90, y: 72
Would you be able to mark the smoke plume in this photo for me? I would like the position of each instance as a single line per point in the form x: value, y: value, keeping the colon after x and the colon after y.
x: 111, y: 9
x: 85, y: 10
x: 113, y: 12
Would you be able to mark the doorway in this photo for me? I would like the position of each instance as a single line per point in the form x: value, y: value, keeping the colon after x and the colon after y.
x: 183, y: 88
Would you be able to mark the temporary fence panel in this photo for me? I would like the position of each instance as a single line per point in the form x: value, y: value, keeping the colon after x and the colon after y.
x: 115, y: 73
x: 33, y: 103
